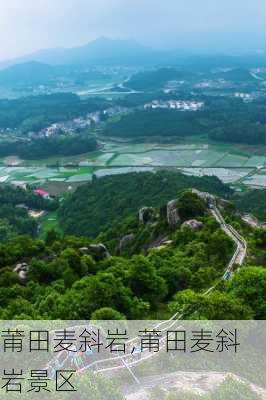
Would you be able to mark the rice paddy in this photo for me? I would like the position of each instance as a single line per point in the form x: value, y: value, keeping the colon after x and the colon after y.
x: 199, y: 159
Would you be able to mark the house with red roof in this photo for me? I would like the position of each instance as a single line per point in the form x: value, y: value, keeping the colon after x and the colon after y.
x: 42, y: 193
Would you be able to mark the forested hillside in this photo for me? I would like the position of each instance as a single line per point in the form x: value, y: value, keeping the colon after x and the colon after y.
x: 254, y: 202
x: 61, y: 145
x: 156, y: 79
x: 72, y: 278
x: 96, y: 206
x: 224, y: 119
x: 36, y: 112
x: 154, y: 262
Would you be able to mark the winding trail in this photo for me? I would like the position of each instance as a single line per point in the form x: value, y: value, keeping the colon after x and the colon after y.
x: 237, y: 260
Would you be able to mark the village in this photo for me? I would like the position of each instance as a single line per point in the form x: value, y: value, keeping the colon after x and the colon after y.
x: 182, y: 105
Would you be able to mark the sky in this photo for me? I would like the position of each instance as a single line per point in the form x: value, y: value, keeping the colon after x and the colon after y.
x: 192, y: 25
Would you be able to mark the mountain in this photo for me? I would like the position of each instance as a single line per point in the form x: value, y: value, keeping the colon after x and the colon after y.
x: 236, y: 75
x: 102, y: 51
x: 27, y: 73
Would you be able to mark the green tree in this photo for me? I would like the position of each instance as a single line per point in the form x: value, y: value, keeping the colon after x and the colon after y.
x: 107, y: 313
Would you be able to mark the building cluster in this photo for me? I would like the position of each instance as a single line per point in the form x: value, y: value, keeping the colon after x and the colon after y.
x: 182, y: 105
x: 78, y: 124
x: 114, y: 111
x: 244, y: 96
x: 70, y: 127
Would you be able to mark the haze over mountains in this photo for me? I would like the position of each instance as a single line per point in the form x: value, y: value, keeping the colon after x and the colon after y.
x: 101, y: 51
x: 105, y: 51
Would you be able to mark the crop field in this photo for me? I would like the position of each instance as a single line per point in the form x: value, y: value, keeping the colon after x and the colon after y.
x: 256, y: 180
x: 223, y: 161
x: 226, y: 175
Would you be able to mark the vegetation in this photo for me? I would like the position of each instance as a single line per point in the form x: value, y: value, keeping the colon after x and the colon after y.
x: 65, y: 282
x: 14, y: 218
x: 60, y: 145
x: 159, y: 122
x: 36, y: 112
x: 155, y: 79
x: 145, y: 278
x: 223, y: 119
x: 95, y: 207
x: 253, y: 202
x: 229, y: 389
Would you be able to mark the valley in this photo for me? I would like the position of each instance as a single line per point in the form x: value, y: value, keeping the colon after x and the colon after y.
x: 240, y: 169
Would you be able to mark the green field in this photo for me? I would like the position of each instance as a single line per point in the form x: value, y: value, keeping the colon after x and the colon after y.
x: 62, y: 174
x: 48, y: 222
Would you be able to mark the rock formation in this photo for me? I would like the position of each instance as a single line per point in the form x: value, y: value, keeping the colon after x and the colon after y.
x: 147, y: 215
x: 173, y: 217
x: 192, y: 224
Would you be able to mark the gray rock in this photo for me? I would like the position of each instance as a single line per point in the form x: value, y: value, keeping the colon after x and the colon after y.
x: 21, y: 269
x: 173, y: 217
x: 124, y: 242
x: 84, y: 250
x: 192, y: 224
x: 99, y: 251
x: 205, y: 196
x: 147, y: 215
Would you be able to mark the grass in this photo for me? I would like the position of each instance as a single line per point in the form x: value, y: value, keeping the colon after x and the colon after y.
x: 48, y: 222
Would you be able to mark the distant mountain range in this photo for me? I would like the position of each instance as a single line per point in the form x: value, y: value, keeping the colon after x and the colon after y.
x: 46, y: 65
x: 101, y: 51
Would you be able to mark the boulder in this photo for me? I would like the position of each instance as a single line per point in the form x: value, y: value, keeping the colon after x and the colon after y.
x: 205, y: 196
x: 21, y: 269
x: 84, y: 250
x: 147, y: 215
x: 173, y: 217
x: 98, y: 251
x: 192, y: 224
x: 124, y: 242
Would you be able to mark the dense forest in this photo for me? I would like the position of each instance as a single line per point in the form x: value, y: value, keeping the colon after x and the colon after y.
x: 68, y: 279
x: 155, y: 123
x: 156, y: 79
x: 36, y: 112
x: 60, y: 145
x: 142, y: 266
x: 96, y: 206
x: 152, y: 80
x: 221, y: 119
x: 254, y: 202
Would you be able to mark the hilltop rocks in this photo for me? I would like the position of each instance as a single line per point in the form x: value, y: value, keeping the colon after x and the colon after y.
x: 124, y: 242
x: 98, y: 251
x: 21, y: 270
x: 205, y: 196
x: 147, y: 215
x: 192, y: 224
x: 173, y: 217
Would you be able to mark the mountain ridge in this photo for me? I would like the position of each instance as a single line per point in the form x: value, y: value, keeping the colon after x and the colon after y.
x: 102, y: 50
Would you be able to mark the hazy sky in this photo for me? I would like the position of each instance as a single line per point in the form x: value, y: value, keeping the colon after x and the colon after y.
x: 28, y: 25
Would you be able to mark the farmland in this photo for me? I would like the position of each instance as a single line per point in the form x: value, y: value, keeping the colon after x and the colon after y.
x: 228, y: 163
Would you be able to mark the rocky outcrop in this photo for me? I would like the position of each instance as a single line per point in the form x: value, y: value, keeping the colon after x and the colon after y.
x: 124, y: 242
x: 205, y: 196
x: 21, y: 270
x: 173, y: 217
x: 98, y: 251
x: 192, y: 224
x: 160, y: 243
x: 147, y: 215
